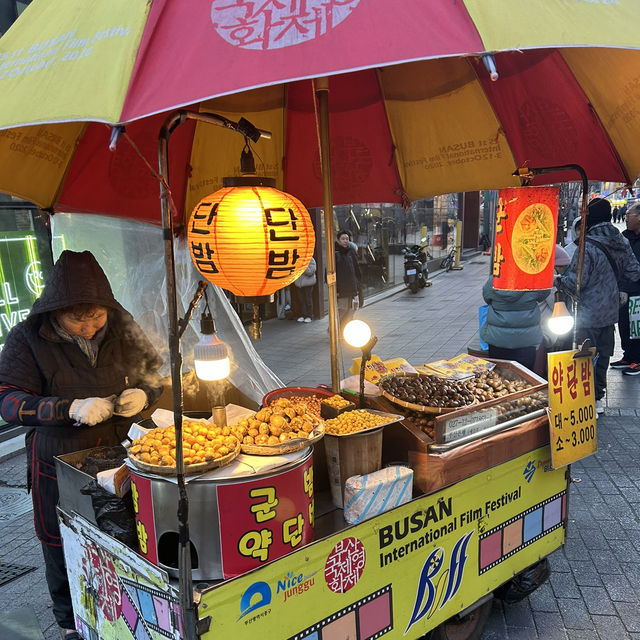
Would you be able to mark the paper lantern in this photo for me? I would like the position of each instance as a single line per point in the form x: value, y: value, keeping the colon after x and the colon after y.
x: 525, y: 238
x: 250, y: 240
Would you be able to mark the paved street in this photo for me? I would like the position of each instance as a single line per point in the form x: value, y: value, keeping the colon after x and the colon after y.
x: 594, y: 591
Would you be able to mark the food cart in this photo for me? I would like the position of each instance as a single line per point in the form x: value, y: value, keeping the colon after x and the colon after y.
x: 481, y: 511
x: 486, y: 504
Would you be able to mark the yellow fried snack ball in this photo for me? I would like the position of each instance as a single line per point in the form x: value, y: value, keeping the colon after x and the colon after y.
x: 336, y: 401
x: 353, y: 421
x: 201, y: 442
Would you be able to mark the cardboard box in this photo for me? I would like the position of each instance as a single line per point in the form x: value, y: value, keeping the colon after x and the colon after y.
x: 116, y: 481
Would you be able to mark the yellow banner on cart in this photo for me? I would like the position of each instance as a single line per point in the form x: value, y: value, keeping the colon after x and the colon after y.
x: 572, y: 410
x: 407, y: 570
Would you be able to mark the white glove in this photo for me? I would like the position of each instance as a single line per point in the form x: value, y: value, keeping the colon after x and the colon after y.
x: 624, y: 297
x: 91, y: 411
x: 130, y: 402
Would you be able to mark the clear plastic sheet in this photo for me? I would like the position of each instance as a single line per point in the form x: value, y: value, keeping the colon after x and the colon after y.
x: 132, y: 256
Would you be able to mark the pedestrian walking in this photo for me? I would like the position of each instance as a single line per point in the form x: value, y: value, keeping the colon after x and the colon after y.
x: 630, y: 361
x: 512, y: 329
x: 608, y: 258
x: 347, y: 278
x: 304, y: 291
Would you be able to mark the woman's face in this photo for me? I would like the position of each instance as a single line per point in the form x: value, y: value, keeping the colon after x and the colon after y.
x: 84, y: 325
x: 343, y: 240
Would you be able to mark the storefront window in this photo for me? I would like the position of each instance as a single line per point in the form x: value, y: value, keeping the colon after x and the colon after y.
x: 9, y: 12
x: 382, y: 230
x: 25, y: 261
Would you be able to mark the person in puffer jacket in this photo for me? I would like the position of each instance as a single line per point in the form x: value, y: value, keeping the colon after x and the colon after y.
x: 512, y: 329
x: 630, y: 361
x: 77, y: 371
x: 608, y: 259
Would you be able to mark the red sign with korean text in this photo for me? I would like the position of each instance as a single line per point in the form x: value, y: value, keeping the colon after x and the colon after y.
x: 145, y: 522
x: 102, y: 580
x: 345, y: 565
x: 525, y: 238
x: 265, y: 519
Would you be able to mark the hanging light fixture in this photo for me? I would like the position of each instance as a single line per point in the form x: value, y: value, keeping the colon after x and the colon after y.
x: 561, y: 321
x: 210, y: 354
x: 212, y: 365
x: 250, y: 238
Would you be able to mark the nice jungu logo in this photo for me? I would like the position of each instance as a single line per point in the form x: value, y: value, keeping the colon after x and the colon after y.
x: 274, y: 24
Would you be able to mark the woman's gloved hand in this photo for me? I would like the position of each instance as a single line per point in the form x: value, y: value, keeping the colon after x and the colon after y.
x: 91, y: 411
x: 130, y: 402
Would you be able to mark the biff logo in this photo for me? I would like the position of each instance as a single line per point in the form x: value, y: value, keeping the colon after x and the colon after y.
x: 435, y: 589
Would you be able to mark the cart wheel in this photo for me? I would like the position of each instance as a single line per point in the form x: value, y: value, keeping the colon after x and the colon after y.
x: 414, y: 286
x: 468, y: 627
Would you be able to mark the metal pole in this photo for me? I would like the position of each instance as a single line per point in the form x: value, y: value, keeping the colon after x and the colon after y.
x: 581, y: 250
x: 188, y: 610
x: 322, y: 91
x: 457, y: 266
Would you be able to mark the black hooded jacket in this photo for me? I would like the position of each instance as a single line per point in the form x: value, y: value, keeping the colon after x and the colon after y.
x: 35, y: 358
x: 630, y: 286
x: 347, y: 271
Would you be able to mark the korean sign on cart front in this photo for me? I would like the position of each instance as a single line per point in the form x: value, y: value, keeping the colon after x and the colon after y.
x: 405, y: 571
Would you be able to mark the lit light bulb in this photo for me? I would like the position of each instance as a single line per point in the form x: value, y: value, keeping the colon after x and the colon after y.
x: 211, y: 358
x: 561, y: 321
x: 357, y: 333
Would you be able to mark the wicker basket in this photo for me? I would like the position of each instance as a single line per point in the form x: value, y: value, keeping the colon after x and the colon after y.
x: 289, y: 446
x: 419, y: 407
x: 189, y: 469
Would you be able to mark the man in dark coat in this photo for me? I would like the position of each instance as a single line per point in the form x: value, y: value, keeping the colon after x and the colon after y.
x: 347, y: 277
x: 630, y: 361
x: 607, y: 260
x: 77, y: 371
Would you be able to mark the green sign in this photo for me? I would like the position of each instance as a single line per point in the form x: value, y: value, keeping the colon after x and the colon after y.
x: 21, y: 279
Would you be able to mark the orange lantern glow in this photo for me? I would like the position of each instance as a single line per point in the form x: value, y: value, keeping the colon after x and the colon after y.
x: 250, y: 239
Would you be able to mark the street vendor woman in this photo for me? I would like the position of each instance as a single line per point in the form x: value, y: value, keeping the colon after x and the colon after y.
x: 77, y: 371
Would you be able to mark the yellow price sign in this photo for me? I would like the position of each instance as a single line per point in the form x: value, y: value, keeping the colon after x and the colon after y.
x: 572, y: 410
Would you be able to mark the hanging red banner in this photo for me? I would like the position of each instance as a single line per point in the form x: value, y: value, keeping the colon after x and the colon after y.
x: 525, y: 238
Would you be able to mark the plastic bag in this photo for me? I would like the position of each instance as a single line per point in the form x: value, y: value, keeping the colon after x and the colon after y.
x: 482, y: 318
x: 524, y: 583
x: 114, y: 515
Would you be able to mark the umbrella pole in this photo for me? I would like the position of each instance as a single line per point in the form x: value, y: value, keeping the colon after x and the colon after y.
x: 188, y: 610
x: 322, y: 92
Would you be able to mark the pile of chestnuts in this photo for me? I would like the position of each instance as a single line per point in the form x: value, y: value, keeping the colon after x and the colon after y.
x: 429, y: 391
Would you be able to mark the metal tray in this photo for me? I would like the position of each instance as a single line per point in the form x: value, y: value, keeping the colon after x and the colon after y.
x: 393, y: 417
